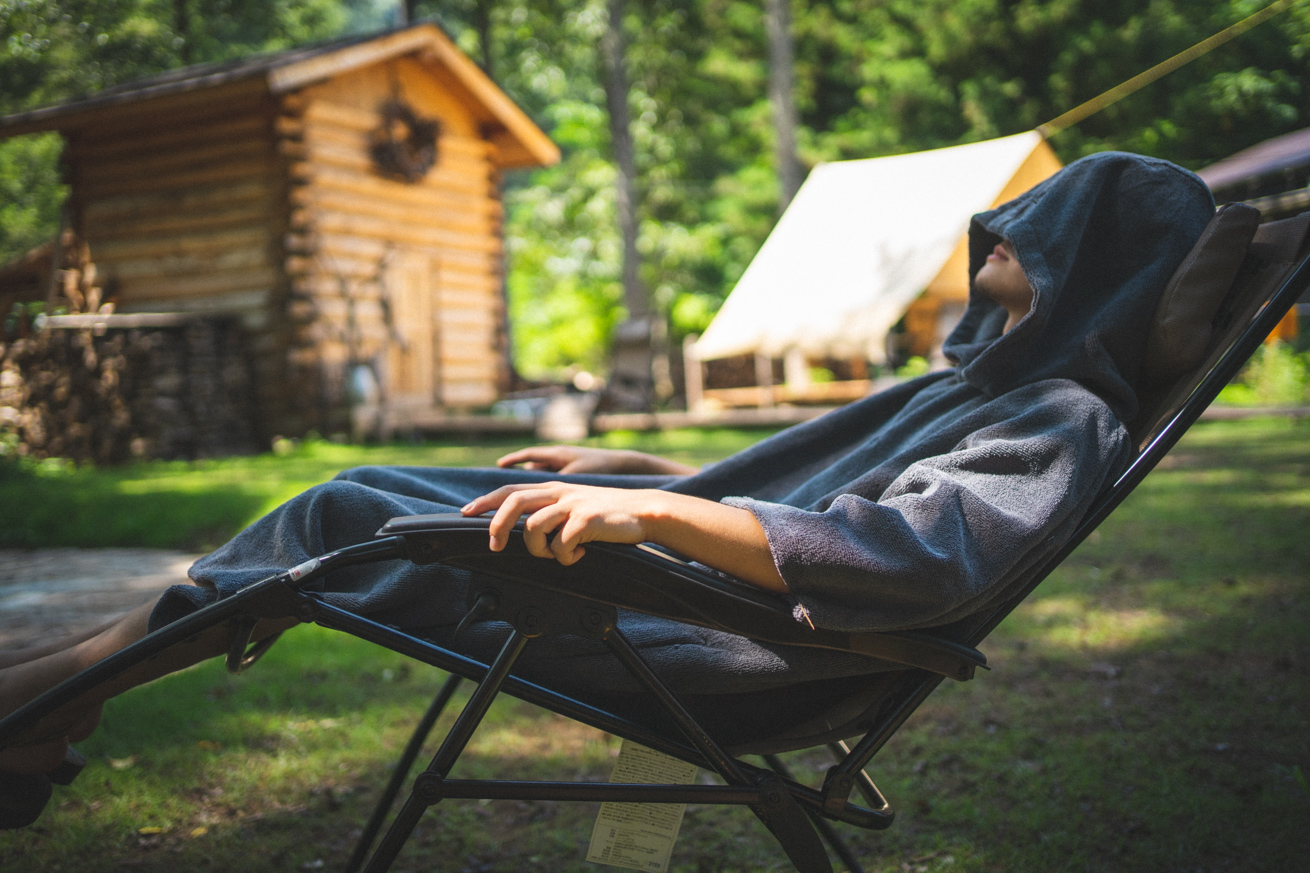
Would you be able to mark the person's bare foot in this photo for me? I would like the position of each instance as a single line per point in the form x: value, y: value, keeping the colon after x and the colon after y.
x: 24, y: 682
x: 47, y: 740
x: 45, y: 755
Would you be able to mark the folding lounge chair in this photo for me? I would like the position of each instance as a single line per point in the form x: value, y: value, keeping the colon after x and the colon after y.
x: 1224, y: 299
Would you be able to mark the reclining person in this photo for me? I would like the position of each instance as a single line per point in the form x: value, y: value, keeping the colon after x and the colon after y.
x: 911, y: 508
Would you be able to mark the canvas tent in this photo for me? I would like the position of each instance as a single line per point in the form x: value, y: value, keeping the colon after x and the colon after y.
x: 864, y: 240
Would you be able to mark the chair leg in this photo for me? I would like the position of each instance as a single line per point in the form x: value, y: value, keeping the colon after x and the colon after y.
x: 403, y: 765
x: 868, y: 789
x: 427, y: 786
x: 829, y: 833
x: 790, y: 826
x: 778, y: 810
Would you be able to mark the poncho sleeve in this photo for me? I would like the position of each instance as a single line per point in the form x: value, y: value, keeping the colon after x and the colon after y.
x: 951, y: 528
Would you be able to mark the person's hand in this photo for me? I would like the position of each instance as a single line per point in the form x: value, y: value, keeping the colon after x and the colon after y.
x: 581, y: 459
x: 575, y: 514
x: 727, y: 538
x: 567, y: 459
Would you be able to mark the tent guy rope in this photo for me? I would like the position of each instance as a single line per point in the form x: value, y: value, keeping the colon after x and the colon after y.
x: 1164, y: 68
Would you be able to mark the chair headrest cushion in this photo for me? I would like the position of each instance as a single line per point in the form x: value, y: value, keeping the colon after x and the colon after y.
x: 1184, y: 317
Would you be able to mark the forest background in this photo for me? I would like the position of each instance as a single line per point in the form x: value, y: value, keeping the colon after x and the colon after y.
x: 871, y: 78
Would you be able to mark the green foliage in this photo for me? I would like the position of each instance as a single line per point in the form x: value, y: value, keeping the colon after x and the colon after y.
x: 562, y: 240
x: 914, y: 368
x: 873, y: 77
x: 11, y: 465
x: 1277, y: 375
x: 821, y: 375
x: 57, y: 50
x: 31, y: 192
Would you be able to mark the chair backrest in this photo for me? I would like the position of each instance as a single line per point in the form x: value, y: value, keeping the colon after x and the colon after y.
x: 1185, y: 327
x: 1225, y: 298
x: 1226, y: 279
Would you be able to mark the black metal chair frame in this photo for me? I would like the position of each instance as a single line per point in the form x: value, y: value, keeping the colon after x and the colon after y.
x: 536, y: 597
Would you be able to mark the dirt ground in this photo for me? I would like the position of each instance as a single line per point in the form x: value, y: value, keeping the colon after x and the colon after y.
x: 45, y: 593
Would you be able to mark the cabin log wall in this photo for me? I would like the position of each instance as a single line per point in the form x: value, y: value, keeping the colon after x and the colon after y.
x: 250, y: 192
x: 361, y: 245
x: 184, y: 216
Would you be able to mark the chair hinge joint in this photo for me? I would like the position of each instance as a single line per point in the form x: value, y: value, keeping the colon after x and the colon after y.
x: 837, y: 788
x: 428, y: 787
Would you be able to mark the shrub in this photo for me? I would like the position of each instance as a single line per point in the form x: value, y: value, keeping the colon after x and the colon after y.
x: 1276, y: 375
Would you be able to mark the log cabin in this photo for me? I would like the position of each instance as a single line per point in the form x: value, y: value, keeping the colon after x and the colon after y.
x: 341, y: 200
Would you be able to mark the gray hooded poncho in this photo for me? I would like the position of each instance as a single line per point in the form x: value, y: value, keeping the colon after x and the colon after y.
x: 913, y: 508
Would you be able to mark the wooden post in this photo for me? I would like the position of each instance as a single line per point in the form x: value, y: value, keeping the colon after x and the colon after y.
x: 764, y: 378
x: 796, y: 371
x: 56, y: 262
x: 693, y: 376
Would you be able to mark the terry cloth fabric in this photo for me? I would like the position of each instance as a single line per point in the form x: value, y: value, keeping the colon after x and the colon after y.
x: 912, y: 508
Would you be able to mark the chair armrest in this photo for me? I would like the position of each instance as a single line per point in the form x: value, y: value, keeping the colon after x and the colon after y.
x: 650, y: 580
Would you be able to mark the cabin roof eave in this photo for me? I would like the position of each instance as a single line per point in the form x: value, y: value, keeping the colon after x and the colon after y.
x: 529, y: 146
x: 290, y: 71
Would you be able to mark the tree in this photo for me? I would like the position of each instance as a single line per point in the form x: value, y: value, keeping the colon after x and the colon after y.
x: 871, y: 77
x: 57, y: 50
x: 614, y: 76
x: 781, y: 83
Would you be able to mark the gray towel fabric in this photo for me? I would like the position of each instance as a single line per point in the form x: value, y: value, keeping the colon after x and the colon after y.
x: 913, y: 508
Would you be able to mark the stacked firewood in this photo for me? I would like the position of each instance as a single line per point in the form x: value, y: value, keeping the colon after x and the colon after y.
x: 107, y: 395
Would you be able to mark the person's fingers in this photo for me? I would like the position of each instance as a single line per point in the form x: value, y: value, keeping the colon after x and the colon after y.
x: 521, y: 500
x: 566, y: 547
x: 538, y: 527
x: 566, y: 556
x: 45, y: 754
x: 507, y: 515
x: 518, y: 456
x: 493, y: 499
x: 574, y: 513
x: 552, y: 458
x: 585, y: 461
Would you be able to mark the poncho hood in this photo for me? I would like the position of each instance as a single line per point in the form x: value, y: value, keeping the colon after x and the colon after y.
x: 1098, y: 242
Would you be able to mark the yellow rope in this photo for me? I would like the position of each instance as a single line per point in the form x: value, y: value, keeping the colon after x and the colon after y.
x: 1141, y: 80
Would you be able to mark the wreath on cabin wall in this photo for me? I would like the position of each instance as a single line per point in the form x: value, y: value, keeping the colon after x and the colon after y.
x: 404, y: 145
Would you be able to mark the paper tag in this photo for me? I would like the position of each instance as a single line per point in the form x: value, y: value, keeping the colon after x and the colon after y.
x: 301, y: 569
x: 640, y: 836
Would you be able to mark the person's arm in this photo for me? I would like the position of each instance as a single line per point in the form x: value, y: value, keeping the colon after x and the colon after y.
x: 931, y: 546
x: 581, y: 459
x: 723, y: 537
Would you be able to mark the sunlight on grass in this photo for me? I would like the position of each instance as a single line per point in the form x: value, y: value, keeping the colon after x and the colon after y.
x: 1073, y: 622
x: 1287, y: 499
x: 561, y: 739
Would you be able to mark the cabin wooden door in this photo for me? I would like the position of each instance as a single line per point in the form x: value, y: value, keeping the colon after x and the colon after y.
x: 413, y: 377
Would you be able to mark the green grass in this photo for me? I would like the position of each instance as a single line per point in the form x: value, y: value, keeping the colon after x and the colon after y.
x: 200, y: 505
x: 1147, y: 711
